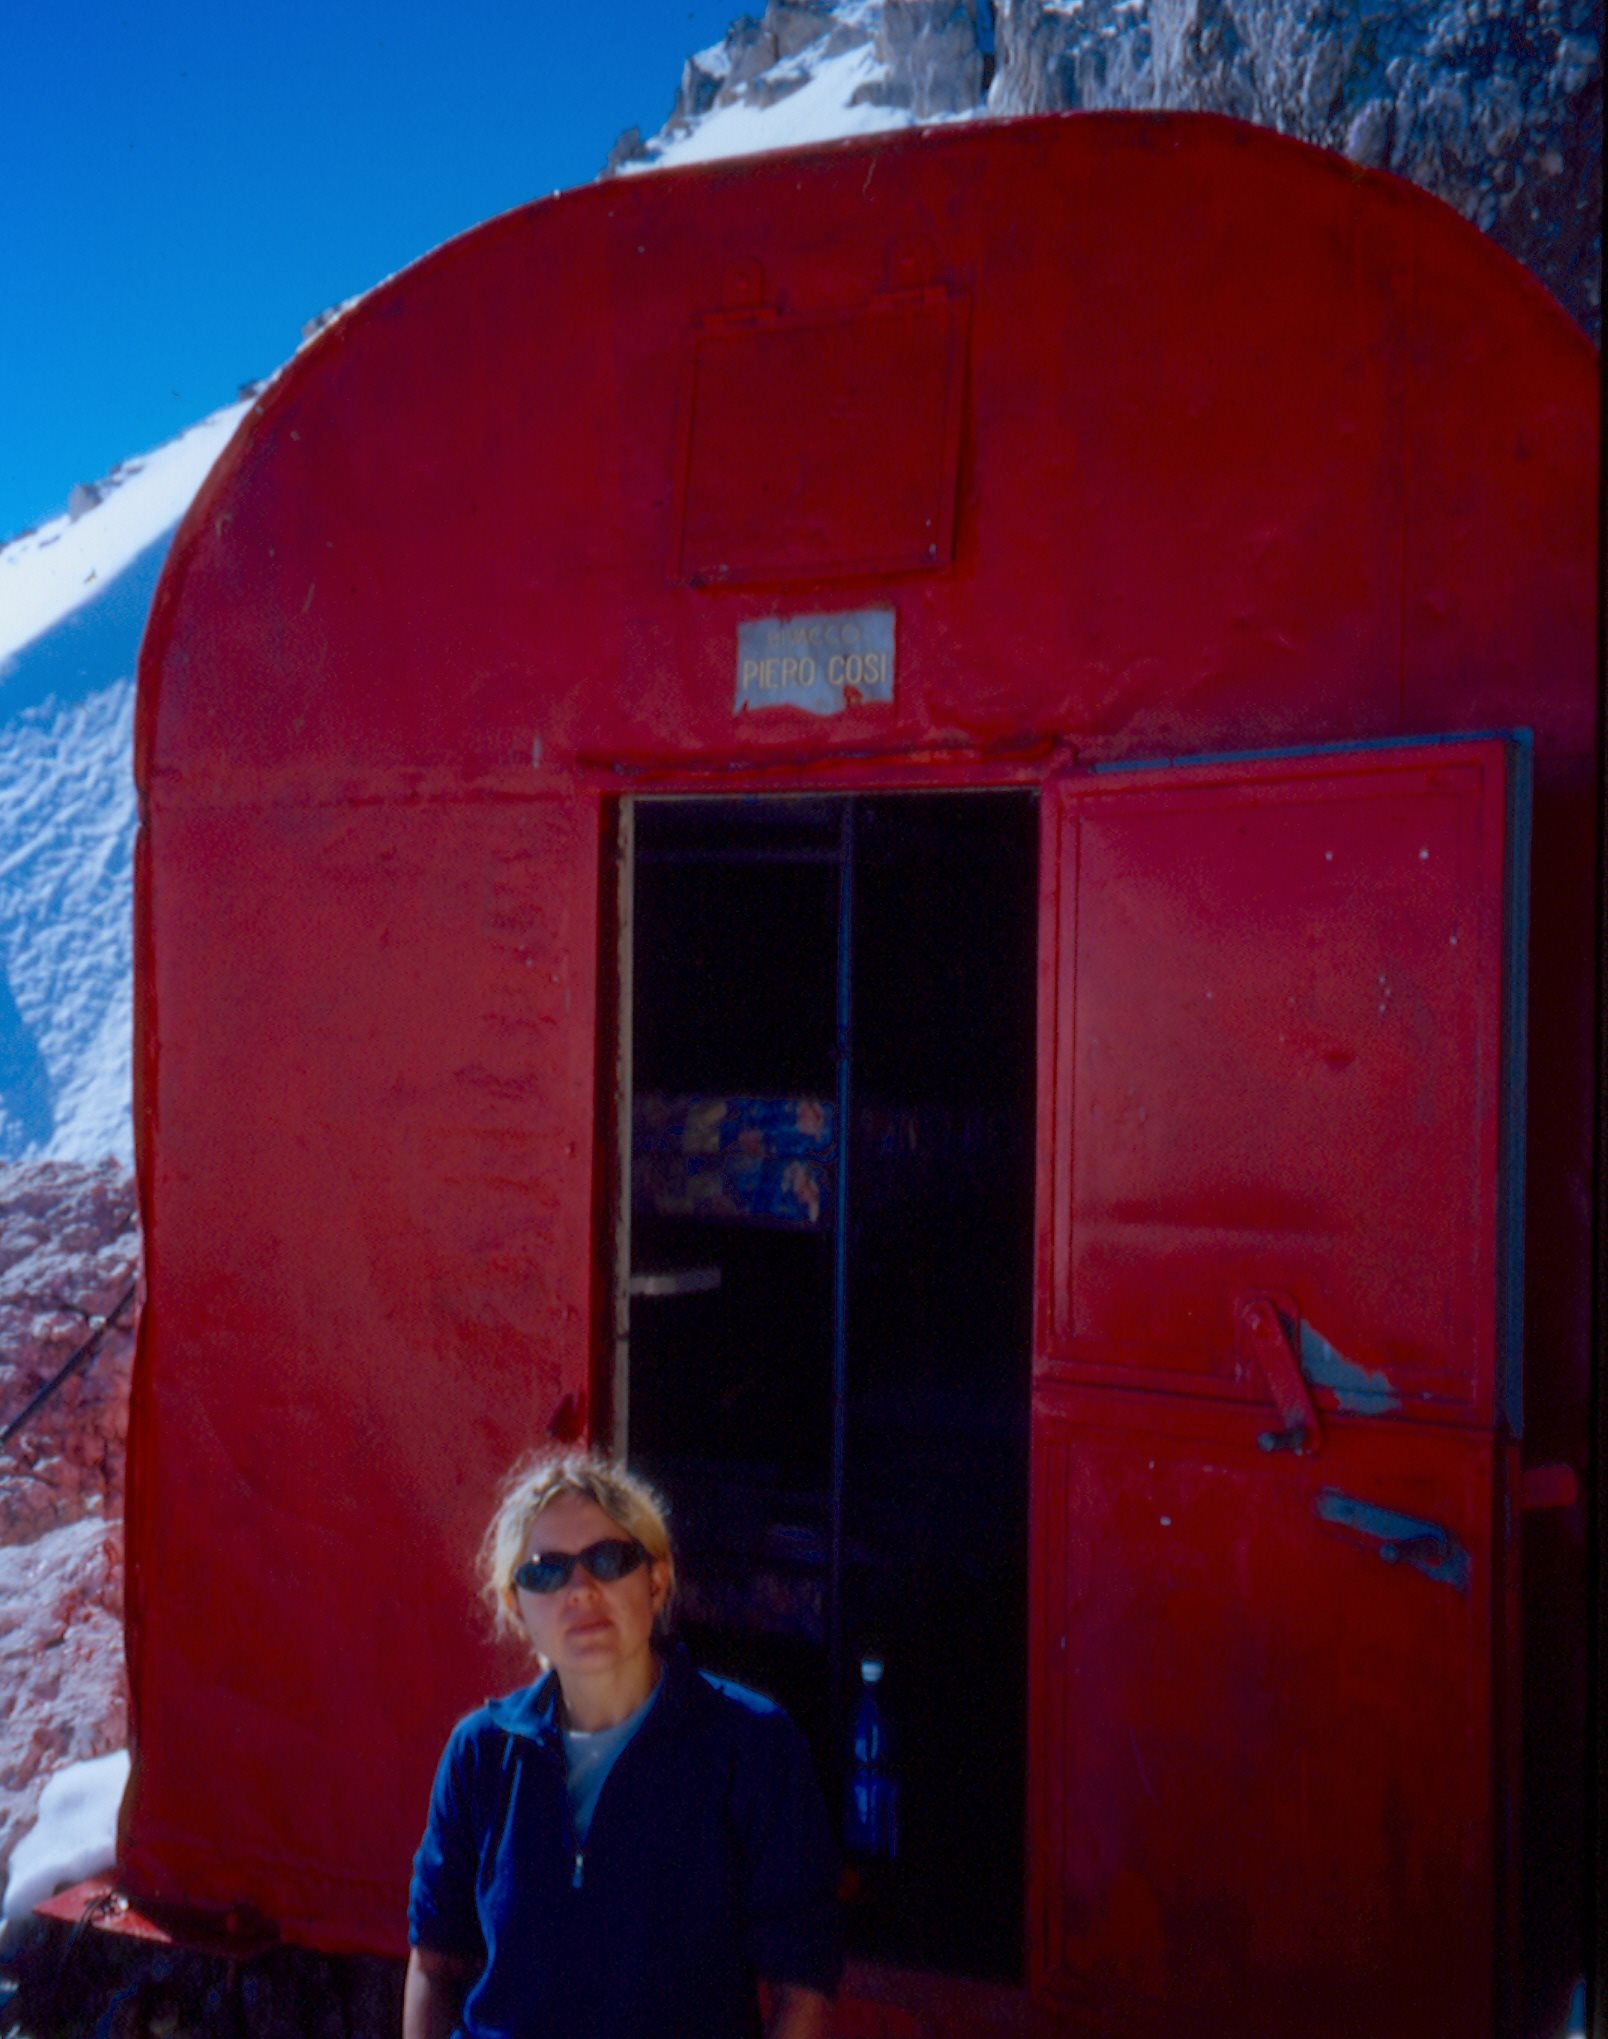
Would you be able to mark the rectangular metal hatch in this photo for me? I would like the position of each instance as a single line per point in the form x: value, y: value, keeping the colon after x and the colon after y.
x: 823, y: 446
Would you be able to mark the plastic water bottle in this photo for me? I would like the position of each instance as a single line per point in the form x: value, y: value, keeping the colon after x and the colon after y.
x: 871, y: 1827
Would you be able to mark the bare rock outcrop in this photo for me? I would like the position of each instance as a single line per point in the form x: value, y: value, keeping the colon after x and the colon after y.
x: 63, y: 1692
x: 68, y: 1251
x: 1494, y: 106
x: 933, y: 57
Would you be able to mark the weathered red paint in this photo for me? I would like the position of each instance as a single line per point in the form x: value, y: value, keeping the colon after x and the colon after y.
x: 1277, y: 1125
x: 1248, y: 451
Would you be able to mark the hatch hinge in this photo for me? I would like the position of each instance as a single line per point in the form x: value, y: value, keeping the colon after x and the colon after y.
x: 1267, y: 1332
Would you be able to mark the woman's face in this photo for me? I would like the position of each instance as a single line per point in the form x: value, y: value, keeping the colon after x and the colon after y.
x: 588, y: 1630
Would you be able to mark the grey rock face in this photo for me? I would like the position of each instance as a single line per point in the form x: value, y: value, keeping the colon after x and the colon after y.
x: 795, y: 24
x: 744, y: 66
x: 628, y: 148
x: 934, y: 55
x: 1493, y: 105
x: 785, y: 30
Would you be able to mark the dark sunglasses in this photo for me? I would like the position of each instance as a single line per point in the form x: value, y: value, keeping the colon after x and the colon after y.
x: 611, y: 1558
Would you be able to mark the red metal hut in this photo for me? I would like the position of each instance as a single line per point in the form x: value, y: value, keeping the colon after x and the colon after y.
x: 881, y: 821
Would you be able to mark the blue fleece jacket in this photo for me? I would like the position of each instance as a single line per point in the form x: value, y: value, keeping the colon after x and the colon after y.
x: 709, y: 1863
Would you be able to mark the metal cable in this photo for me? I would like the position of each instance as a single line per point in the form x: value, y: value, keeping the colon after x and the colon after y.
x: 84, y: 1353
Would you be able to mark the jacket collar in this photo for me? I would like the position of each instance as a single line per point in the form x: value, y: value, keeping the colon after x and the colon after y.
x: 532, y: 1711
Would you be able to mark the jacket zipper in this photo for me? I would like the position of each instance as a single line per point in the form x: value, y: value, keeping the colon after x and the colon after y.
x: 578, y: 1856
x: 578, y: 1859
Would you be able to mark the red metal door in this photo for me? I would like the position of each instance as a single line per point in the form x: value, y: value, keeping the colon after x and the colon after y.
x: 1276, y: 1388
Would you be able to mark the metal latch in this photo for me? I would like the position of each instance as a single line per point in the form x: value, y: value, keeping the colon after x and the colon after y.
x: 676, y: 1281
x: 1403, y: 1539
x: 1267, y: 1331
x: 1549, y: 1486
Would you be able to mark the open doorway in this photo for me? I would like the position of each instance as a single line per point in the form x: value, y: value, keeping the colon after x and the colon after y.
x: 832, y: 1104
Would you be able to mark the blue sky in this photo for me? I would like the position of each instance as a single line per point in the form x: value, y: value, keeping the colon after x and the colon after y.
x: 183, y: 186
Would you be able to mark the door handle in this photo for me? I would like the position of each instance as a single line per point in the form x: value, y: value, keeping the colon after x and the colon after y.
x: 1428, y: 1548
x: 1402, y: 1539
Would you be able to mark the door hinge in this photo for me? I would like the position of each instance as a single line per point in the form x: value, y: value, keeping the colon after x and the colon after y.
x: 1267, y: 1332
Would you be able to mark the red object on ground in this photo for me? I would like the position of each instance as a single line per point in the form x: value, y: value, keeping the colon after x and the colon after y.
x: 1162, y: 438
x: 99, y: 1901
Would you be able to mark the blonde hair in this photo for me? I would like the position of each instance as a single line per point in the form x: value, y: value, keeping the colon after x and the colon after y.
x: 533, y: 1483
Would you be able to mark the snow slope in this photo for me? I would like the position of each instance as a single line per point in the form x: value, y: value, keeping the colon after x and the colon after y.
x: 821, y: 108
x: 65, y: 565
x: 73, y: 601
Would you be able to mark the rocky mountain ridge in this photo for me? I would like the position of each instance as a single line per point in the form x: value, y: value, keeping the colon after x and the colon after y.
x: 1495, y: 108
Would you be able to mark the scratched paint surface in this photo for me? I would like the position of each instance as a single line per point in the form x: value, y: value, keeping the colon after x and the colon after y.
x: 1288, y: 982
x: 1358, y: 1388
x: 1253, y: 1681
x: 1275, y: 1073
x: 385, y: 1210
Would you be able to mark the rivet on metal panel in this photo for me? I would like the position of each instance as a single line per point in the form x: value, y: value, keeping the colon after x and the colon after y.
x: 911, y: 263
x: 744, y: 286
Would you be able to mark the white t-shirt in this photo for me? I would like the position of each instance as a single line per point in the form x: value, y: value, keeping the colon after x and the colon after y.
x: 592, y: 1756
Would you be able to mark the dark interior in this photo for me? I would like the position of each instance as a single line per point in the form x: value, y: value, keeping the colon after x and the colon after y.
x: 846, y: 1460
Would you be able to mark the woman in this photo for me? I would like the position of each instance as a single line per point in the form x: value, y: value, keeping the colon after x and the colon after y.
x: 621, y: 1850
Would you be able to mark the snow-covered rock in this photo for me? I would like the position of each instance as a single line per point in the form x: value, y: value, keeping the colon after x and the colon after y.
x: 800, y: 74
x: 73, y: 1836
